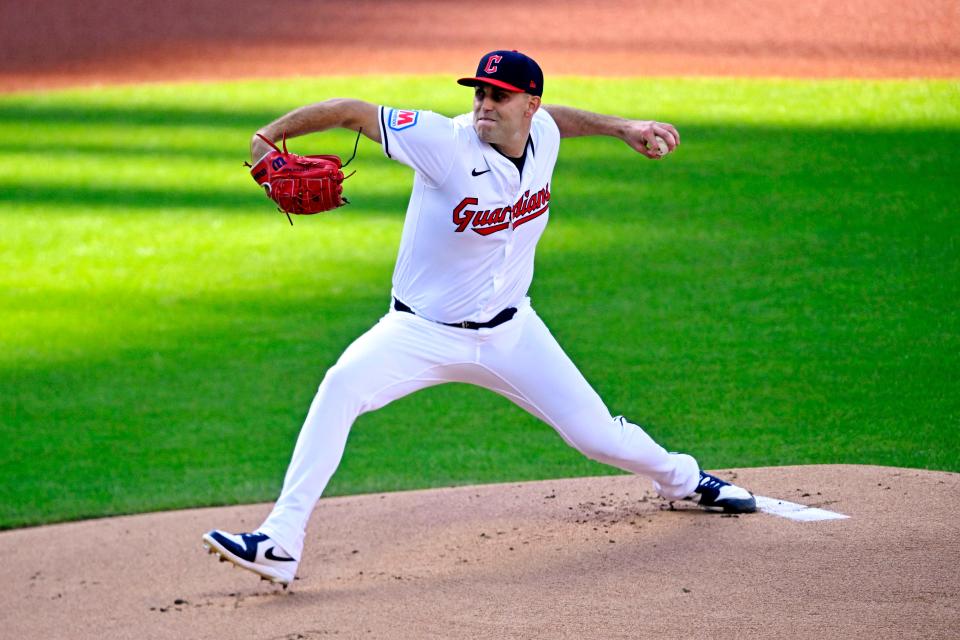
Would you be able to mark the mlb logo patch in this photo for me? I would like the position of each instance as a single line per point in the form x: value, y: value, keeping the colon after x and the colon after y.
x: 401, y: 119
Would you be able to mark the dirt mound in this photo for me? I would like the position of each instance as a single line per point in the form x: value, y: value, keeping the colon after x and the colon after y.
x: 74, y: 42
x: 581, y: 558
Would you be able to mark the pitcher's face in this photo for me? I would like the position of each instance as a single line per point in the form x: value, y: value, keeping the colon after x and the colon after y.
x: 500, y: 115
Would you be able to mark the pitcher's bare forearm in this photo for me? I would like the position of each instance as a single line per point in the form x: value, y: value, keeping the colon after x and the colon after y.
x: 640, y: 135
x: 344, y: 113
x: 577, y: 122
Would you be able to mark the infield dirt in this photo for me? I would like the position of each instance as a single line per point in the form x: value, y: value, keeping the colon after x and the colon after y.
x: 580, y: 558
x: 83, y: 42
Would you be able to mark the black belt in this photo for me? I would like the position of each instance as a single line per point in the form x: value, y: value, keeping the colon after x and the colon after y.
x: 497, y: 320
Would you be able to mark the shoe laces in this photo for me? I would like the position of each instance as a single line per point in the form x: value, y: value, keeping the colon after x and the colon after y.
x: 710, y: 482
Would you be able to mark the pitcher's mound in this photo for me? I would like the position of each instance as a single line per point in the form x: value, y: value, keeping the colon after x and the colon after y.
x: 582, y: 558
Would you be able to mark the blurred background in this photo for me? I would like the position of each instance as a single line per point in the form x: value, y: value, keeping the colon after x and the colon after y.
x: 69, y: 43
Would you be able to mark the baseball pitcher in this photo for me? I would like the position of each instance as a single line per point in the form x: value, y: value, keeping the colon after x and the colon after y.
x: 459, y: 310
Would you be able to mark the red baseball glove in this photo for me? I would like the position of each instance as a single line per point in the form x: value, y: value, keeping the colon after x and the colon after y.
x: 301, y: 185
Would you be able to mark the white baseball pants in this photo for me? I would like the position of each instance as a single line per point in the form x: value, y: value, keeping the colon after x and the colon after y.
x: 519, y: 359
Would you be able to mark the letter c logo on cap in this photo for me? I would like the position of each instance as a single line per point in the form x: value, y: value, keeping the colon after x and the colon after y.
x: 492, y: 64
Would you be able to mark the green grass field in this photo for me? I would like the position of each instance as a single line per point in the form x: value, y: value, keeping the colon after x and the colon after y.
x: 782, y: 290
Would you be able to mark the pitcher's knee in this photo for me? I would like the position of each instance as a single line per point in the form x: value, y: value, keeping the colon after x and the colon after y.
x: 342, y: 383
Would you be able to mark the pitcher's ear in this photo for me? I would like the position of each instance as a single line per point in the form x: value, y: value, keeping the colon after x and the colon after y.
x: 532, y: 106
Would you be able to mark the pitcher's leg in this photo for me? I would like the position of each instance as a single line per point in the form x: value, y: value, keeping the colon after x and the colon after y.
x: 396, y: 357
x: 539, y: 376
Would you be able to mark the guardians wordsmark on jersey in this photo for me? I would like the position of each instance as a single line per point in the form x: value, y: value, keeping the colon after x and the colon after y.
x: 487, y: 221
x: 473, y: 221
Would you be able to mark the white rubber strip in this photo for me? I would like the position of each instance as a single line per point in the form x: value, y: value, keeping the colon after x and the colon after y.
x: 794, y: 511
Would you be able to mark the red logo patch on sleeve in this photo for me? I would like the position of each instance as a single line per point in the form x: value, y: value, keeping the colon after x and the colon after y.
x: 403, y: 119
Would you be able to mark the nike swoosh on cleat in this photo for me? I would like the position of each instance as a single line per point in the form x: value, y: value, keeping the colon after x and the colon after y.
x: 476, y: 173
x: 268, y: 554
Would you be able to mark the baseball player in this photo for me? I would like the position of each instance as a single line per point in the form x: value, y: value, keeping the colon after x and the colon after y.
x: 459, y: 310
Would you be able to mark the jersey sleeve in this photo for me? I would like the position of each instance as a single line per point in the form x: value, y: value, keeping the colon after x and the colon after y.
x: 423, y: 140
x: 546, y: 127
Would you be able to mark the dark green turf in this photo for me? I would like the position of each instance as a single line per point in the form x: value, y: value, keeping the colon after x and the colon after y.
x: 783, y: 290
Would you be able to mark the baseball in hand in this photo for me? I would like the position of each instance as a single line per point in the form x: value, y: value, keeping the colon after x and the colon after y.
x: 661, y: 146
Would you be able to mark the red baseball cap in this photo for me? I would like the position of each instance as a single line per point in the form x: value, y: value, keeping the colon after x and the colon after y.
x: 510, y: 70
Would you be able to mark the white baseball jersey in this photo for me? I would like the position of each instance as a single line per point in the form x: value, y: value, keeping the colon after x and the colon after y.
x: 473, y: 221
x: 466, y: 253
